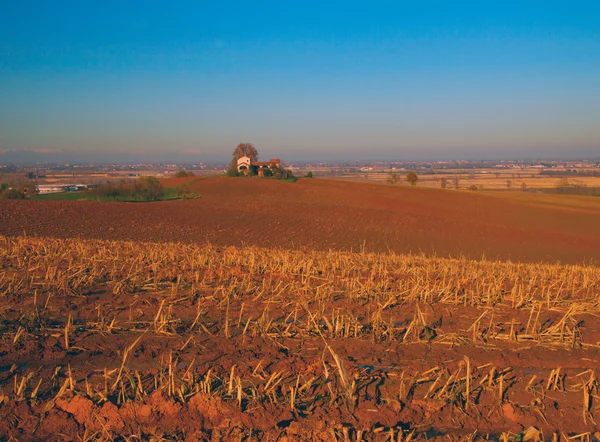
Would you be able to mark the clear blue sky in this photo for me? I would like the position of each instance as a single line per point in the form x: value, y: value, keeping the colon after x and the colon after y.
x: 301, y: 80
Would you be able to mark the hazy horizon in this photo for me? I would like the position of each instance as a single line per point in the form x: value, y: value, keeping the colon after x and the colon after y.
x: 31, y: 158
x: 130, y: 82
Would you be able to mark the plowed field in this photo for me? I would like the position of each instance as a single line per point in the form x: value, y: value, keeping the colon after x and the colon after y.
x: 323, y: 215
x: 301, y: 319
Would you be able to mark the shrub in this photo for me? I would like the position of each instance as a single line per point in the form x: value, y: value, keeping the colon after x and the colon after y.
x: 232, y: 170
x: 186, y: 193
x: 282, y: 174
x: 12, y: 194
x: 308, y: 175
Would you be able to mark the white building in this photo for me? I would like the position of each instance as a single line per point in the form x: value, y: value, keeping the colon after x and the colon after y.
x: 243, y: 164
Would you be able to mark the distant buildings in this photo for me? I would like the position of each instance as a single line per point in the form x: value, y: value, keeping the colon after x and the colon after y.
x: 59, y: 188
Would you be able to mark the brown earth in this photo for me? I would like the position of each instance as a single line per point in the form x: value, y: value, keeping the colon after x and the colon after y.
x: 118, y: 340
x: 139, y: 341
x: 322, y: 215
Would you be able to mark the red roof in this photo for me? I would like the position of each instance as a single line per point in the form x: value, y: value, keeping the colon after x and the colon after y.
x: 266, y: 163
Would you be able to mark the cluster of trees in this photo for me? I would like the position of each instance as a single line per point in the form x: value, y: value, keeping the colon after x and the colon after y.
x: 144, y: 189
x: 411, y: 177
x: 17, y: 186
x: 184, y: 174
x: 455, y: 182
x: 572, y: 172
x: 17, y: 192
x: 575, y: 188
x: 279, y: 173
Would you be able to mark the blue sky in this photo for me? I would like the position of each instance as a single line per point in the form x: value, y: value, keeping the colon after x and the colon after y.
x: 128, y: 80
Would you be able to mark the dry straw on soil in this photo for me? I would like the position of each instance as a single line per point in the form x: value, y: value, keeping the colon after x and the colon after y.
x: 244, y: 342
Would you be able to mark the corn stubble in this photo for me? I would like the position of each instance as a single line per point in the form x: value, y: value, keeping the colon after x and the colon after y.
x: 121, y: 322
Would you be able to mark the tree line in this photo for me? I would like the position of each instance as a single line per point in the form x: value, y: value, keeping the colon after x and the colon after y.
x: 144, y: 189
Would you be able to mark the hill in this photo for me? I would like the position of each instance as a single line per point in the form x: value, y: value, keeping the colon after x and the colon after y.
x: 322, y: 215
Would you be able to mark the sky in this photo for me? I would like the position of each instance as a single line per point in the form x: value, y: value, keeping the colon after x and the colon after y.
x: 341, y: 80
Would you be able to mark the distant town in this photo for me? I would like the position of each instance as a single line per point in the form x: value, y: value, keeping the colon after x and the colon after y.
x: 529, y: 175
x: 122, y: 170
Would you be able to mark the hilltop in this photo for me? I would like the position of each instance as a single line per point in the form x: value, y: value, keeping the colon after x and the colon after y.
x: 324, y: 214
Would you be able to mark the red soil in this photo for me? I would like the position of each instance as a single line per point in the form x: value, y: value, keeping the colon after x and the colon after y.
x: 319, y: 214
x: 231, y: 314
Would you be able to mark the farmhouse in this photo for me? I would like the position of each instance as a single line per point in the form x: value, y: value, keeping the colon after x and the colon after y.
x: 246, y: 166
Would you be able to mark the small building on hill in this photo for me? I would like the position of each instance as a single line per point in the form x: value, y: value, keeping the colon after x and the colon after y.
x: 246, y: 166
x: 243, y: 164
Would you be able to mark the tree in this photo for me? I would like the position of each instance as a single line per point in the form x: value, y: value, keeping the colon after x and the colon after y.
x: 456, y: 182
x: 247, y: 150
x: 308, y: 175
x: 508, y: 184
x: 28, y: 189
x: 444, y: 182
x: 412, y: 177
x: 148, y: 189
x: 393, y: 178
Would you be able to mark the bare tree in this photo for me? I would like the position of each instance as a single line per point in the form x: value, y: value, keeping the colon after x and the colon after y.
x: 412, y: 177
x: 444, y: 183
x: 245, y: 149
x: 393, y: 178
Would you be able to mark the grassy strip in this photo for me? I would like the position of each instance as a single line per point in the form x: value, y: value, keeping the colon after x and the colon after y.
x: 171, y: 194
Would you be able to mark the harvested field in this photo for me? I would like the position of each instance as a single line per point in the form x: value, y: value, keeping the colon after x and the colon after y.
x: 104, y: 340
x: 322, y: 215
x: 489, y: 179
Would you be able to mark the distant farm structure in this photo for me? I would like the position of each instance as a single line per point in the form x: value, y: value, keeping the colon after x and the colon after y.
x: 248, y: 167
x: 60, y: 188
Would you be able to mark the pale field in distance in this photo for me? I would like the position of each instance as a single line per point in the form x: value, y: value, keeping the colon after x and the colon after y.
x: 484, y: 179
